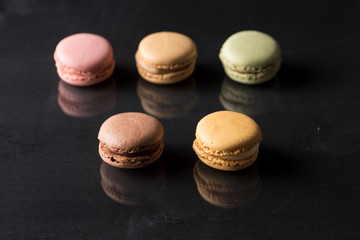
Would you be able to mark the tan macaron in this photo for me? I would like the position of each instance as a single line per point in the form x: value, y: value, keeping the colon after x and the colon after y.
x: 166, y: 57
x: 227, y: 140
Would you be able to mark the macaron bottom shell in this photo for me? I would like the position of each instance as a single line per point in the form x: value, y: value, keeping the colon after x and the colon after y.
x: 220, y: 163
x: 252, y: 77
x: 133, y: 159
x: 73, y: 77
x: 160, y: 75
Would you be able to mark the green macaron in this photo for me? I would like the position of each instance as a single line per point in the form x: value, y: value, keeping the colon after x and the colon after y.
x: 250, y: 57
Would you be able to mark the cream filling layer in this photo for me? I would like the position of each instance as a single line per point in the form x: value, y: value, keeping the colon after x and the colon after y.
x: 242, y: 155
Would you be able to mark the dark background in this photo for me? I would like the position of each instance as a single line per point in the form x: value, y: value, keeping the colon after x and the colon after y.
x: 305, y: 184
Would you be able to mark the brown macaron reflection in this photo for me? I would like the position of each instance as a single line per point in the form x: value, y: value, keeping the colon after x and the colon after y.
x: 167, y: 101
x: 83, y: 102
x: 132, y: 186
x: 227, y: 189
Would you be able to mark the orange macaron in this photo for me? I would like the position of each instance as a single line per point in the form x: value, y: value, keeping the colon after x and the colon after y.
x: 227, y: 140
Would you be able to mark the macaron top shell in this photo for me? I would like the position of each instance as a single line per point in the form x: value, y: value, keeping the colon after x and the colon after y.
x: 228, y: 131
x: 131, y: 130
x: 250, y: 49
x: 166, y: 48
x: 84, y: 52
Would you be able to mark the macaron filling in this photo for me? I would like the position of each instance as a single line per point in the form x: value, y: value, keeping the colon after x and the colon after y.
x: 236, y: 155
x: 132, y: 157
x: 252, y: 73
x: 165, y: 72
x: 74, y: 75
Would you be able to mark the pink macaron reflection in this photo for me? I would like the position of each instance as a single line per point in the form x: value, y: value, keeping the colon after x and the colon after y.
x: 83, y: 102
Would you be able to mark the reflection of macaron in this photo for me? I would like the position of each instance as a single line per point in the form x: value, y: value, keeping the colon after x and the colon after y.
x: 167, y: 101
x: 227, y: 189
x: 132, y: 186
x: 250, y: 100
x: 250, y: 57
x: 87, y: 101
x: 131, y: 140
x: 166, y: 57
x: 227, y: 140
x: 84, y: 59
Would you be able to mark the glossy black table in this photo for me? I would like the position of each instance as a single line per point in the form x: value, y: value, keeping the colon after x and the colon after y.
x: 305, y: 184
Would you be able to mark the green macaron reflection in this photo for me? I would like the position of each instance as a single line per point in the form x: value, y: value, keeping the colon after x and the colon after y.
x: 252, y: 100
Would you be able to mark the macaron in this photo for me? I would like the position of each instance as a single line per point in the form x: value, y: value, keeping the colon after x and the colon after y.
x: 167, y: 101
x: 166, y: 57
x: 250, y: 57
x: 131, y: 140
x: 84, y: 59
x: 133, y: 186
x: 227, y: 140
x: 227, y: 189
x: 84, y: 102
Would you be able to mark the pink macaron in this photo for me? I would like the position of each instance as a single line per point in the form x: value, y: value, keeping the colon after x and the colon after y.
x: 84, y: 59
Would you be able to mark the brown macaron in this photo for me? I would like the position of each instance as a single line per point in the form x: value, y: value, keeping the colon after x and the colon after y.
x: 131, y: 140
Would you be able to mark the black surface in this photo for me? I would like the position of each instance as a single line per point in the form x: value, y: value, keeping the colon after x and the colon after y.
x: 308, y: 167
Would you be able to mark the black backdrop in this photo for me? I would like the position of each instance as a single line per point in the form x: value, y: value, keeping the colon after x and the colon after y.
x: 305, y: 184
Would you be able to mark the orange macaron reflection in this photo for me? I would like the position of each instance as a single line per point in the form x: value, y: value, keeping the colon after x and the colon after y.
x: 227, y: 189
x: 83, y: 102
x: 133, y: 186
